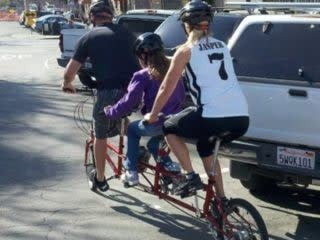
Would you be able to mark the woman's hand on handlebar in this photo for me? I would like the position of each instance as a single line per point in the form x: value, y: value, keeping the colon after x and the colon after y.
x: 68, y: 87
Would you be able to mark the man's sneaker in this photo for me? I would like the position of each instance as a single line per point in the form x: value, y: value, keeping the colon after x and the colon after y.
x: 102, y: 186
x: 171, y: 166
x: 130, y: 178
x: 189, y: 186
x: 94, y: 183
x: 91, y: 174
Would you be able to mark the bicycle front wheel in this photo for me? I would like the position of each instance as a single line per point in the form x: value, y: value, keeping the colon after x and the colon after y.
x: 244, y: 222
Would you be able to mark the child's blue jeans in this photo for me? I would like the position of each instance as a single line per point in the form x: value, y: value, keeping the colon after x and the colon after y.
x: 135, y: 131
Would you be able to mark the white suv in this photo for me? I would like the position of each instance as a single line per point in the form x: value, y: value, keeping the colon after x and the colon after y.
x: 276, y: 60
x: 276, y: 57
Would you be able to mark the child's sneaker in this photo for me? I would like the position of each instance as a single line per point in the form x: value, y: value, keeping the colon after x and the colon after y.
x: 171, y: 166
x: 131, y: 178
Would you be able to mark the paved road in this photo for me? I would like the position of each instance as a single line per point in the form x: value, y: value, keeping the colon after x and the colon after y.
x: 43, y: 188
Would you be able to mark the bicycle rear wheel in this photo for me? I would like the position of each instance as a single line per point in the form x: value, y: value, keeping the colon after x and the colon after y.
x: 244, y: 222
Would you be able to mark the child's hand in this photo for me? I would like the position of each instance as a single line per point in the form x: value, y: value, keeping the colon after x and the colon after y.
x: 106, y: 109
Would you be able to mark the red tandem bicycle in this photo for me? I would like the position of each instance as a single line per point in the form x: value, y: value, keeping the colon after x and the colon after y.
x: 241, y: 221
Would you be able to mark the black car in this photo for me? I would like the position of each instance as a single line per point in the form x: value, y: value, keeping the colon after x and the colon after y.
x: 50, y: 24
x: 222, y: 27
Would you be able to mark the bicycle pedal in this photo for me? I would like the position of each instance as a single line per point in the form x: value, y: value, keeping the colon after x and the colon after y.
x: 186, y: 194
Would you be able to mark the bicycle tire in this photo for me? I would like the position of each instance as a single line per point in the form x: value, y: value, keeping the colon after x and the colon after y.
x: 237, y: 225
x: 90, y: 166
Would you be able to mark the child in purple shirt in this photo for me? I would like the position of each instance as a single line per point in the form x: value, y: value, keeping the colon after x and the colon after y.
x: 143, y: 88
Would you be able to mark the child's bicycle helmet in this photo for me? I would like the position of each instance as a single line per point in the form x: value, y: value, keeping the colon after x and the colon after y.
x: 148, y: 43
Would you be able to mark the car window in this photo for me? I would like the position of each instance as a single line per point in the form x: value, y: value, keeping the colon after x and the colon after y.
x: 172, y: 33
x: 224, y: 24
x: 63, y: 20
x: 43, y: 14
x: 279, y: 51
x: 139, y: 26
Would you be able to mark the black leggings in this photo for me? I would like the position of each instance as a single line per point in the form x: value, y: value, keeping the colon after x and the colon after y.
x: 190, y: 124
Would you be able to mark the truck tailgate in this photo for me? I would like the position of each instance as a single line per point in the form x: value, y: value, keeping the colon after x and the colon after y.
x: 70, y: 39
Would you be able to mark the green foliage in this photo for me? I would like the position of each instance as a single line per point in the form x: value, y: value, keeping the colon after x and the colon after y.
x: 4, y: 3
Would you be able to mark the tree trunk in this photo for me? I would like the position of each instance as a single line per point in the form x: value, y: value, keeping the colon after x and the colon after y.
x: 218, y: 3
x: 142, y: 4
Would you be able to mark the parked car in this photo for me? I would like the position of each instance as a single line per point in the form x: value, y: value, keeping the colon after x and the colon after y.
x: 275, y: 52
x: 143, y: 20
x: 276, y: 61
x: 137, y: 21
x: 69, y: 14
x: 50, y: 8
x: 50, y: 24
x: 222, y: 27
x: 72, y: 25
x: 33, y: 7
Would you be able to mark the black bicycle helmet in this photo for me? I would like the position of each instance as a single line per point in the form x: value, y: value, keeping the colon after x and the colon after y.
x: 195, y: 12
x: 100, y: 6
x: 148, y: 43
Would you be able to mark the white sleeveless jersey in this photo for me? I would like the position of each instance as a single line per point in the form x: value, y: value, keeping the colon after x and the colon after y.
x: 213, y: 85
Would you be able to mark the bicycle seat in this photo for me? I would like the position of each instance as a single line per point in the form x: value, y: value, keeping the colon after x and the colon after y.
x: 226, y: 135
x: 222, y: 136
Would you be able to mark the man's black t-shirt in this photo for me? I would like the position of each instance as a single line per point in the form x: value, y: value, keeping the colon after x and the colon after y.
x: 110, y: 50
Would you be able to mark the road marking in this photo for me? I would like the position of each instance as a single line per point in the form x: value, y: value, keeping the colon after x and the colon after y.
x: 46, y: 64
x: 11, y: 57
x: 223, y: 170
x: 157, y: 207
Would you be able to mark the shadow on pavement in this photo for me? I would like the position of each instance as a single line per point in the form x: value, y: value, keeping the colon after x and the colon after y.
x: 306, y: 229
x: 304, y: 201
x: 30, y: 143
x: 296, y: 198
x: 177, y: 226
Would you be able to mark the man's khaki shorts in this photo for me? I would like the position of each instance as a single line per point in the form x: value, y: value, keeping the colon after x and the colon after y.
x: 103, y: 126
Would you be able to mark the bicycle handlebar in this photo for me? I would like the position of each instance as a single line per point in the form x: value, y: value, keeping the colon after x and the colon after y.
x: 85, y: 90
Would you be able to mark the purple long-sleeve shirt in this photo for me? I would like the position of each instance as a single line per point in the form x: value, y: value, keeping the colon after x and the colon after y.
x: 142, y: 88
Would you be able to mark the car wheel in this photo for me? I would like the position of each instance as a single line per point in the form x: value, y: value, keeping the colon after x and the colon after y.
x: 43, y: 32
x: 258, y: 183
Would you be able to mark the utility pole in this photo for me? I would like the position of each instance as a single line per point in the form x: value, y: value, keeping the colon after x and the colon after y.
x: 25, y: 5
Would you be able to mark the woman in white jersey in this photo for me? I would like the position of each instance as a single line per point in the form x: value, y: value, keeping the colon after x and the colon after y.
x: 220, y: 105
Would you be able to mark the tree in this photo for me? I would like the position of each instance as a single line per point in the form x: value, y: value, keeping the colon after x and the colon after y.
x: 4, y: 3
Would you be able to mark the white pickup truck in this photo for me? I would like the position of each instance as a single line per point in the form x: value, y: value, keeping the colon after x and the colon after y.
x: 138, y: 21
x: 276, y: 60
x: 275, y: 51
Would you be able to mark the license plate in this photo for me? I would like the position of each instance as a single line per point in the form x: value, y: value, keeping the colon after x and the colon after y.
x: 296, y: 158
